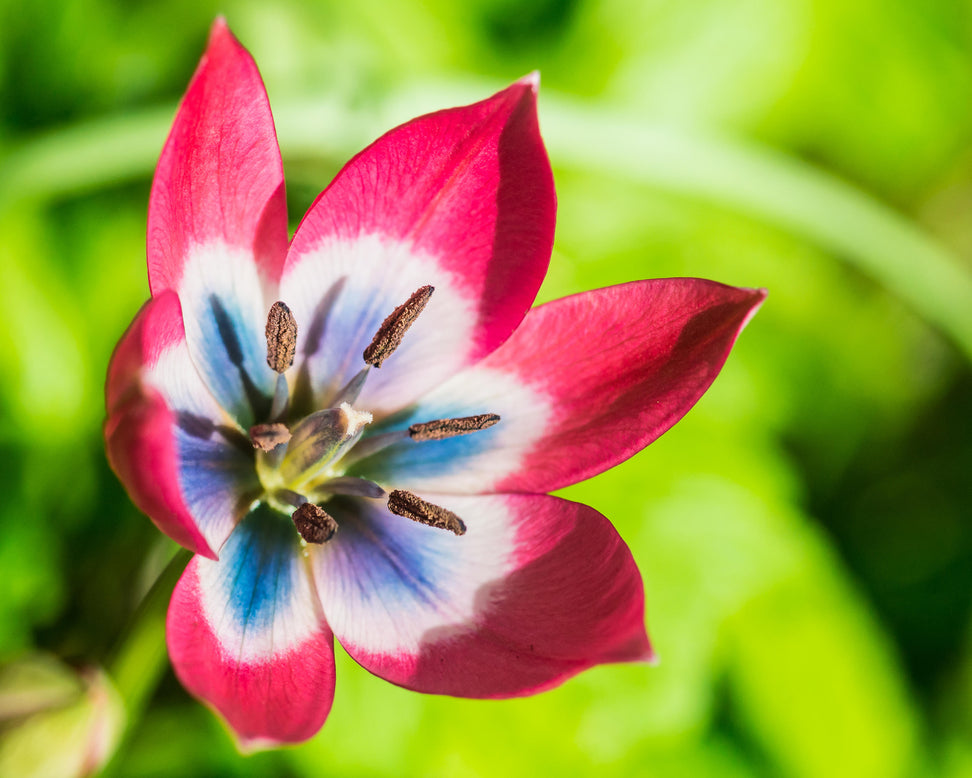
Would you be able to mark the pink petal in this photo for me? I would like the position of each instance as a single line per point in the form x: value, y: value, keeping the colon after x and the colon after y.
x: 220, y: 177
x: 246, y: 635
x: 461, y: 199
x: 584, y: 383
x: 537, y: 590
x: 168, y: 439
x: 217, y: 226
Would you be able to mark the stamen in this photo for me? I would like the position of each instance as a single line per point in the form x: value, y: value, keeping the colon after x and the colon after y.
x: 393, y: 329
x: 449, y: 428
x: 415, y: 508
x: 289, y: 497
x: 281, y: 397
x: 372, y: 445
x: 351, y: 485
x: 314, y: 524
x: 352, y: 388
x: 267, y: 437
x: 281, y: 337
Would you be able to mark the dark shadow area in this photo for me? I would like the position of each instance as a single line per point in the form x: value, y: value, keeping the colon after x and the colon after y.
x: 901, y: 515
x: 302, y: 398
x: 259, y: 402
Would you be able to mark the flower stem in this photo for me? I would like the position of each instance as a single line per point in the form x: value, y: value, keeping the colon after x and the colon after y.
x: 139, y: 658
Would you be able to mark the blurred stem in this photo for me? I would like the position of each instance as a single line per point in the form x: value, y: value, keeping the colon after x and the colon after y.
x: 782, y: 191
x: 777, y: 189
x: 83, y: 157
x: 140, y: 656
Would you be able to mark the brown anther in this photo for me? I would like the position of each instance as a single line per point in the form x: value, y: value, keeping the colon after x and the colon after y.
x: 314, y: 524
x: 393, y: 329
x: 267, y: 437
x: 281, y: 337
x: 415, y: 508
x: 449, y: 428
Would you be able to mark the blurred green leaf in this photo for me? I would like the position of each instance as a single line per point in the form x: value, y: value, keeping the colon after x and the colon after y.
x: 814, y: 147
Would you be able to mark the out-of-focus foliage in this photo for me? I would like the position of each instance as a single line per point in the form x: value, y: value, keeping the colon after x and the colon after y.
x: 56, y: 722
x: 804, y: 533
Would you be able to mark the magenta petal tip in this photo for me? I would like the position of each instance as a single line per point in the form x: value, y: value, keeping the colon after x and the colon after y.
x: 648, y: 655
x: 759, y: 294
x: 531, y: 80
x: 219, y: 31
x: 638, y: 650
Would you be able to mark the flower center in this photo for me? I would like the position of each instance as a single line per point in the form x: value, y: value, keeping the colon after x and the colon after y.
x: 302, y: 464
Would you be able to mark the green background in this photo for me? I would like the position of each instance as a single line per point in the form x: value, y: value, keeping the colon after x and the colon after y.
x: 804, y: 533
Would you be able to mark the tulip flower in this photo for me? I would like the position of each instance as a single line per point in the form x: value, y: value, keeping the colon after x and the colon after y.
x: 355, y: 429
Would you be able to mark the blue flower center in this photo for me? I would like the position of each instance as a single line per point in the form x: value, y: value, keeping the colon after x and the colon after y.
x: 302, y: 463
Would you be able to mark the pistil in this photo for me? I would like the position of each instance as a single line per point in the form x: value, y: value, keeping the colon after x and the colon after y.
x: 267, y: 437
x: 320, y: 439
x: 413, y: 507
